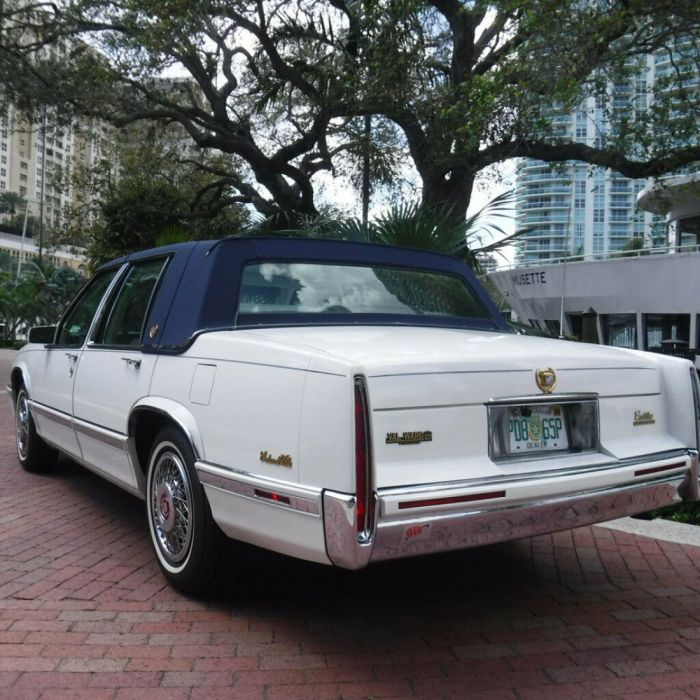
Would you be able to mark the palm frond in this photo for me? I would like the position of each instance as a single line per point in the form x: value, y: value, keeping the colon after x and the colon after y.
x: 411, y: 224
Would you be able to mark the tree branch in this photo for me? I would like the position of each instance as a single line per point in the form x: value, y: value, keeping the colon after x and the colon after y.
x: 557, y: 153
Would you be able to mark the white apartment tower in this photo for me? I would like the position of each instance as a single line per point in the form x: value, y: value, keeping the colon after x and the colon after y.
x: 574, y: 209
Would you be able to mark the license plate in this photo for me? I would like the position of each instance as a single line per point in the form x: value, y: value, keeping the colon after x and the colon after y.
x: 536, y: 429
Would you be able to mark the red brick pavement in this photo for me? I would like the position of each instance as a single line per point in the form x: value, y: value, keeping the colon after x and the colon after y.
x: 85, y: 613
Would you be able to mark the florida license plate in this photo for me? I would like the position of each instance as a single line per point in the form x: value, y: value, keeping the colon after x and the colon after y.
x: 537, y: 429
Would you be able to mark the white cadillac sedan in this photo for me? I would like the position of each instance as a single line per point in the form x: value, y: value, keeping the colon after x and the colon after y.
x: 342, y: 403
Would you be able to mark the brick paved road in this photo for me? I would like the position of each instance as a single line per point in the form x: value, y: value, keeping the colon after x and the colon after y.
x: 85, y: 613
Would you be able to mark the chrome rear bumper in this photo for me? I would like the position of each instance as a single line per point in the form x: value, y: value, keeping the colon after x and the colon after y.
x: 474, y: 524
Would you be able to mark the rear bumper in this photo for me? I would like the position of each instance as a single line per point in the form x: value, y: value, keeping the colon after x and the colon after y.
x: 464, y: 520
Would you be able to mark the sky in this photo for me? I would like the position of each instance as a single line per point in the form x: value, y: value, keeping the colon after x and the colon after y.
x: 340, y: 194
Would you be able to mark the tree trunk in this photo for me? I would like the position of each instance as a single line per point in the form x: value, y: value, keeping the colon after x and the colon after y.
x: 365, y: 169
x: 453, y: 193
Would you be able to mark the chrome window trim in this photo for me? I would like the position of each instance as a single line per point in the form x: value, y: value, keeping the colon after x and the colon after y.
x: 118, y: 273
x: 109, y: 302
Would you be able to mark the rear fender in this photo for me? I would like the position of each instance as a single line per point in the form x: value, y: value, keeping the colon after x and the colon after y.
x: 173, y: 412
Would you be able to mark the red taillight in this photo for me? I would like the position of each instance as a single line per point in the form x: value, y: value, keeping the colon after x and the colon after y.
x: 363, y: 461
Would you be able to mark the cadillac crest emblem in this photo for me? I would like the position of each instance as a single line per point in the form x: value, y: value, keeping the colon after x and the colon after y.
x: 546, y: 380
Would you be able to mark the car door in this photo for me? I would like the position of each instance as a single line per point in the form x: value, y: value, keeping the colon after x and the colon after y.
x: 114, y: 373
x: 53, y: 371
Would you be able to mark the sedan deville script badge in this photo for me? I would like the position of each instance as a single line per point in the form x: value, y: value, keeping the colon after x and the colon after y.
x: 409, y: 438
x: 280, y: 460
x: 643, y: 418
x: 546, y: 380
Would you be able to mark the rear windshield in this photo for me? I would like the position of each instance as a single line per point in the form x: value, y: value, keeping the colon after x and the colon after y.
x: 294, y: 288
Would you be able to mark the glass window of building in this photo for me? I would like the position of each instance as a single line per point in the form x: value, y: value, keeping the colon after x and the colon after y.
x: 689, y: 230
x: 660, y: 327
x: 620, y: 330
x: 552, y: 325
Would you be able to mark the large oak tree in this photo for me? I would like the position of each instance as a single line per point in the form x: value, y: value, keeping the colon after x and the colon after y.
x: 286, y: 86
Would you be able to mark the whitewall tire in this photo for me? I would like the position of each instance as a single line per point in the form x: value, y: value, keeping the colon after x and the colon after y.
x: 185, y: 538
x: 32, y: 452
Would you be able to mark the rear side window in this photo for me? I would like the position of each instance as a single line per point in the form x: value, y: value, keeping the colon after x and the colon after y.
x: 123, y: 324
x: 291, y: 288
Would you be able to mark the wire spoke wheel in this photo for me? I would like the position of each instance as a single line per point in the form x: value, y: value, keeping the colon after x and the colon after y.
x: 22, y: 425
x: 33, y: 453
x: 171, y: 506
x: 185, y: 538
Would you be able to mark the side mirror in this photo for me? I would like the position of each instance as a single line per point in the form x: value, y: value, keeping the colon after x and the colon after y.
x: 42, y: 334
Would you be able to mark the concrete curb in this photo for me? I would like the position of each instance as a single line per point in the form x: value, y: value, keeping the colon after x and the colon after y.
x: 658, y: 529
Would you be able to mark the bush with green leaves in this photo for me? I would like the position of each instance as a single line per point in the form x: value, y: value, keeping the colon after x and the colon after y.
x: 37, y: 297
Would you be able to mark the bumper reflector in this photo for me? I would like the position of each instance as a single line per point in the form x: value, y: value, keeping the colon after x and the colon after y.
x: 655, y: 470
x: 276, y: 497
x: 452, y: 499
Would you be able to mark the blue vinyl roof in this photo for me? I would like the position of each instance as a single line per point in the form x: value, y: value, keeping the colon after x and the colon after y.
x: 199, y: 291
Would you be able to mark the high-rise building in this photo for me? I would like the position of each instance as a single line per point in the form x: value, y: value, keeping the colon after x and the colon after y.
x: 574, y: 209
x: 37, y: 159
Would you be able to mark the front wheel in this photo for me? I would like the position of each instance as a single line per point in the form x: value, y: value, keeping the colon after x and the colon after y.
x: 33, y: 453
x: 186, y: 540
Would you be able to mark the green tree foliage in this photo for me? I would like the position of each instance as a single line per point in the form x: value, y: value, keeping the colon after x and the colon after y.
x: 632, y: 248
x: 148, y: 190
x: 14, y: 208
x: 37, y: 297
x: 457, y: 85
x: 12, y: 203
x: 415, y: 225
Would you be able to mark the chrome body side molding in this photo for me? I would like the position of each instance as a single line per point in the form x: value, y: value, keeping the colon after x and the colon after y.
x: 110, y: 468
x: 272, y: 492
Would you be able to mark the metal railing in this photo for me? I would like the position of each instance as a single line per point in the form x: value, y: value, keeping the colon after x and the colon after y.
x: 611, y: 255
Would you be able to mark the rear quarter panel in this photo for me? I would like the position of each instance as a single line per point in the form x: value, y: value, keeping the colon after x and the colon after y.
x: 250, y: 396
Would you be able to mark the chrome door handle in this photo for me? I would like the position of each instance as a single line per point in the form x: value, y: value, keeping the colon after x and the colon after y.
x: 131, y: 361
x: 73, y: 357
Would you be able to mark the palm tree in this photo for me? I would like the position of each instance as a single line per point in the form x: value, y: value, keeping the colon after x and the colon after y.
x: 415, y: 225
x: 12, y: 203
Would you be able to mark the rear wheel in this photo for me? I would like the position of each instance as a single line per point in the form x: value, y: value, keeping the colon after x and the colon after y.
x: 33, y: 453
x: 186, y: 540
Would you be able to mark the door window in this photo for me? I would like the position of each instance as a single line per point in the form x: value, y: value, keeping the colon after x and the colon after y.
x: 123, y: 325
x: 76, y: 325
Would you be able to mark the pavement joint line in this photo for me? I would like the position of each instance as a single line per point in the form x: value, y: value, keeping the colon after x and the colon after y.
x: 658, y: 529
